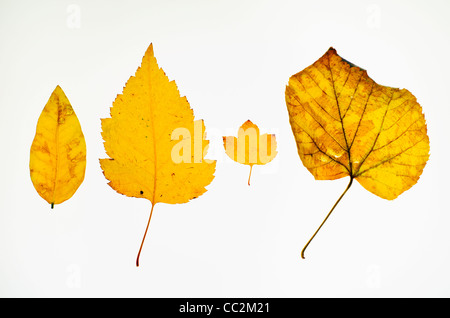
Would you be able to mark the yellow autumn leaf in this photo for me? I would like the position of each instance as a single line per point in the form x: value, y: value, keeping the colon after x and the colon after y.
x: 156, y: 150
x: 250, y: 148
x: 345, y: 124
x: 58, y: 151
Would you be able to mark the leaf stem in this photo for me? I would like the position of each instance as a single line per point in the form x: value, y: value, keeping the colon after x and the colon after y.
x: 329, y: 213
x: 250, y: 174
x: 145, y: 233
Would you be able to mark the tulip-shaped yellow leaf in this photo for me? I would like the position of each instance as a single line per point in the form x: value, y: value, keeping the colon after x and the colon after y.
x: 250, y: 148
x: 58, y: 151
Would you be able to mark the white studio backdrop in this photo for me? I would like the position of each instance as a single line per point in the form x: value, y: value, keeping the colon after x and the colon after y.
x: 232, y: 59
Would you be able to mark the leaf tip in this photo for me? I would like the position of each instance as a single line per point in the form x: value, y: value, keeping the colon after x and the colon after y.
x: 58, y: 90
x: 150, y: 50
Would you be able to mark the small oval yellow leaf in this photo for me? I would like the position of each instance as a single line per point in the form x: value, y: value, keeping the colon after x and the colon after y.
x: 58, y: 151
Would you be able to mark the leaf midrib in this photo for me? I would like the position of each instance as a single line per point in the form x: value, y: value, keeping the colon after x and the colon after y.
x: 153, y: 131
x: 350, y: 166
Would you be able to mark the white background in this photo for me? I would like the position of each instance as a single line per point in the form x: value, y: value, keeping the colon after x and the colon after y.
x: 232, y: 59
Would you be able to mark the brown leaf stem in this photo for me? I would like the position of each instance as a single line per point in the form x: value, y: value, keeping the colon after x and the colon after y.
x: 250, y: 174
x: 329, y: 213
x: 143, y: 239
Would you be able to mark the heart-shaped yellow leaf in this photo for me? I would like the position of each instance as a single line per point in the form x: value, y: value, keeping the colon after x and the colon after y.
x: 345, y: 124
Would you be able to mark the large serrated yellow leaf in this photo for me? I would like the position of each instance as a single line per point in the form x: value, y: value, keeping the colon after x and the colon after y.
x: 156, y: 149
x: 58, y: 151
x: 345, y: 124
